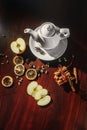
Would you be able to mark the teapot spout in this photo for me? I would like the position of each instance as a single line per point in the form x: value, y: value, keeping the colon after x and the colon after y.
x: 32, y: 33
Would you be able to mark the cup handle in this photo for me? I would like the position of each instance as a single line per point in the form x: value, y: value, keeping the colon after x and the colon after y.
x: 64, y: 33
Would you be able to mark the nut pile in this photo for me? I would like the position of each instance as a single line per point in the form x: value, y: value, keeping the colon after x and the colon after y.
x: 40, y: 69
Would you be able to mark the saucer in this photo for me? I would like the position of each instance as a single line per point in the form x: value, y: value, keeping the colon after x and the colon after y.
x: 47, y: 55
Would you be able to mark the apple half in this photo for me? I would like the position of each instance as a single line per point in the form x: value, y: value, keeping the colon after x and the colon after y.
x: 18, y: 46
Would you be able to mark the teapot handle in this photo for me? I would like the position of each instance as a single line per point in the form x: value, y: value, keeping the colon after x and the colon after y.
x: 64, y: 33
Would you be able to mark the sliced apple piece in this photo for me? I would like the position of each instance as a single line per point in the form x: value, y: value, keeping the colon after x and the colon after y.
x: 21, y: 44
x: 39, y: 87
x: 14, y: 47
x: 44, y: 101
x: 31, y: 88
x: 41, y: 93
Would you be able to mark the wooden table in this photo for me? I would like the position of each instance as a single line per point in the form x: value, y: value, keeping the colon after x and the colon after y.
x: 18, y: 110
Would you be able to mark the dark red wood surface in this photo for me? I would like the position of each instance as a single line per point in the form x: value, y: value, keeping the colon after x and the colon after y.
x: 18, y: 110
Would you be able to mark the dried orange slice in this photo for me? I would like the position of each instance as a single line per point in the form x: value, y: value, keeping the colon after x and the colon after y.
x: 19, y: 69
x: 18, y: 60
x: 7, y: 81
x: 31, y: 74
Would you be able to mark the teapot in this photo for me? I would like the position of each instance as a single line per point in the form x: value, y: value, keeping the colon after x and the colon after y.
x: 48, y: 36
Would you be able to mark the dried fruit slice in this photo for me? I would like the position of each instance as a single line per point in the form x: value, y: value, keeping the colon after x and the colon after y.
x: 39, y: 87
x: 44, y: 101
x: 31, y: 74
x: 19, y: 69
x: 18, y: 60
x: 7, y: 81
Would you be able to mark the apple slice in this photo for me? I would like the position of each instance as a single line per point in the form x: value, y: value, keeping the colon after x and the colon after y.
x: 39, y: 87
x: 44, y: 101
x: 14, y: 47
x: 18, y: 46
x: 21, y: 44
x: 41, y: 93
x: 31, y: 88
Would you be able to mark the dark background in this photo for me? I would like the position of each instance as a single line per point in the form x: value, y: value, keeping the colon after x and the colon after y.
x: 64, y: 13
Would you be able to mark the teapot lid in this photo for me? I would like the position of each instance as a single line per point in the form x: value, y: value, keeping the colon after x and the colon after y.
x: 47, y: 30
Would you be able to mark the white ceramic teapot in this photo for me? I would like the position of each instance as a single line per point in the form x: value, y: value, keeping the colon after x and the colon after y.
x: 49, y: 36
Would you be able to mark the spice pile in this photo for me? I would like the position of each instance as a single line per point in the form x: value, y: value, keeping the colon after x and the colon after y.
x: 64, y: 75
